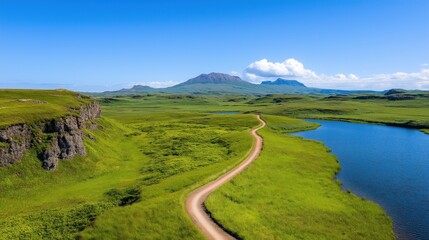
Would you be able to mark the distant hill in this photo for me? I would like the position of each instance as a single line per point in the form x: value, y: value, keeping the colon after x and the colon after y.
x: 221, y: 84
x: 395, y: 91
x: 215, y: 78
x: 284, y: 82
x: 136, y: 89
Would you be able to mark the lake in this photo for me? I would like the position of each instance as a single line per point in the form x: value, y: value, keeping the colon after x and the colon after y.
x: 387, y: 165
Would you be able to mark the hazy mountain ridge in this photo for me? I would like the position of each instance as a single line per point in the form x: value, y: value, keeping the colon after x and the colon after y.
x: 220, y: 83
x: 281, y: 81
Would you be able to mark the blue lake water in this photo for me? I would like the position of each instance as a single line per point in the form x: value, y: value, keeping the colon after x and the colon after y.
x: 388, y: 165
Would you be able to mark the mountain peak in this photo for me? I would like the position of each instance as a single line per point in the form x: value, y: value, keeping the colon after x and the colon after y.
x: 137, y: 87
x: 281, y: 81
x: 215, y: 78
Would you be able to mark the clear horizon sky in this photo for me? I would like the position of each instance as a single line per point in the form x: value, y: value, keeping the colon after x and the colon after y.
x: 107, y: 45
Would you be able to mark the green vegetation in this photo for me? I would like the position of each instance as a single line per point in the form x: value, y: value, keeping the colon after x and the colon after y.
x: 139, y: 168
x: 176, y: 148
x: 38, y: 204
x: 371, y: 108
x: 151, y: 150
x: 289, y: 192
x: 26, y: 106
x: 413, y: 113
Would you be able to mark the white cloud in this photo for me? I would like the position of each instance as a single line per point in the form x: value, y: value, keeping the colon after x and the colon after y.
x: 289, y: 68
x: 293, y: 69
x: 353, y: 77
x: 341, y: 76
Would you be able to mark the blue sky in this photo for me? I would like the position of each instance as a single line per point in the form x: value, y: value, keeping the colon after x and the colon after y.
x: 107, y: 45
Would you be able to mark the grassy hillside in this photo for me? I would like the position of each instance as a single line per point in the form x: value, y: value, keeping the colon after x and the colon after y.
x: 151, y: 150
x: 176, y: 148
x: 19, y: 106
x: 139, y: 167
x: 40, y: 204
x: 290, y: 192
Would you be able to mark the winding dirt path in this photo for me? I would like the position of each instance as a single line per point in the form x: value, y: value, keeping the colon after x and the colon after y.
x: 194, y: 203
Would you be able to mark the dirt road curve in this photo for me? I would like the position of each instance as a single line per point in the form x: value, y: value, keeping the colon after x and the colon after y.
x: 195, y: 202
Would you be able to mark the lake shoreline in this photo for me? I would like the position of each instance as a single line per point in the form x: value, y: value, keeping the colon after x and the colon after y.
x: 396, y: 179
x: 296, y: 194
x: 422, y: 128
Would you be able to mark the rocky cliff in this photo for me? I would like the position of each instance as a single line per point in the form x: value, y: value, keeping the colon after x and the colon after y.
x: 54, y: 140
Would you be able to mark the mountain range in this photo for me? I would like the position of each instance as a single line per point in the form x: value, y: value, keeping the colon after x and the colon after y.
x: 220, y: 83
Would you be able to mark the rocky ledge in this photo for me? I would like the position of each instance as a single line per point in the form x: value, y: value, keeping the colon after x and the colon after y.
x: 54, y: 140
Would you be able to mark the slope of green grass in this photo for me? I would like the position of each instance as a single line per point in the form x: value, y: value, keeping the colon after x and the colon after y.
x: 183, y: 153
x: 289, y: 192
x: 151, y: 150
x: 39, y: 204
x: 132, y: 183
x: 23, y: 106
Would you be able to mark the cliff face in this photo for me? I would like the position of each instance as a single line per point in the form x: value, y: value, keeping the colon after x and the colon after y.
x: 54, y: 140
x: 16, y: 140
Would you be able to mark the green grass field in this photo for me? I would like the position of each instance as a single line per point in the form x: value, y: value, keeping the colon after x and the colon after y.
x: 289, y: 192
x: 406, y: 113
x: 151, y: 150
x: 176, y: 148
x: 412, y: 113
x: 38, y: 204
x: 27, y: 106
x: 139, y: 168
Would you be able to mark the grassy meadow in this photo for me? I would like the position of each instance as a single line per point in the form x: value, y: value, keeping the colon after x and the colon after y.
x: 411, y: 113
x: 176, y: 147
x: 150, y: 151
x: 289, y: 192
x: 139, y: 168
x: 27, y: 106
x: 39, y: 204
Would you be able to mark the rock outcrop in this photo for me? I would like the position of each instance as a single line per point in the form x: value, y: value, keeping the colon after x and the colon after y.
x: 15, y: 141
x: 54, y: 140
